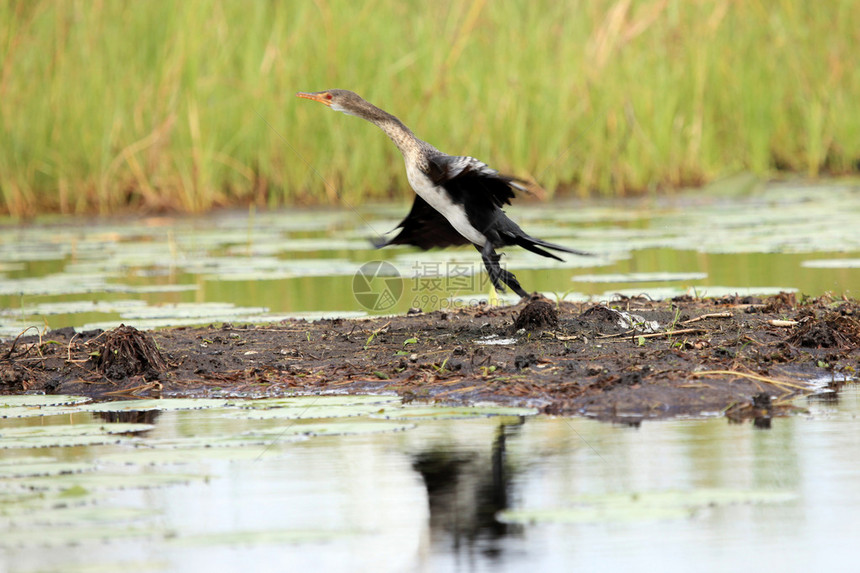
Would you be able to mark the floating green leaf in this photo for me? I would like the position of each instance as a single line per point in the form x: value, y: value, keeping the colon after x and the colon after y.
x: 80, y: 516
x: 832, y: 264
x: 61, y: 536
x: 306, y: 401
x: 67, y: 435
x: 59, y: 441
x: 621, y: 507
x: 164, y: 404
x: 335, y: 428
x: 639, y: 277
x: 100, y: 480
x: 40, y: 400
x: 268, y: 536
x: 452, y: 412
x: 47, y: 468
x: 308, y: 412
x: 160, y: 456
x: 72, y: 430
x: 36, y: 411
x: 228, y: 441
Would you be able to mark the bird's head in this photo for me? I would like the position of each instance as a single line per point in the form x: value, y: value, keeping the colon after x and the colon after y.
x: 349, y: 103
x: 339, y: 100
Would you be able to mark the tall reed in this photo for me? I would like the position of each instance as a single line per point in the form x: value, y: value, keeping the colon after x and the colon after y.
x: 108, y: 106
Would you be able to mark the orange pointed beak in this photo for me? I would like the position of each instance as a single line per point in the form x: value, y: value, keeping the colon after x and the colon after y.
x: 322, y: 97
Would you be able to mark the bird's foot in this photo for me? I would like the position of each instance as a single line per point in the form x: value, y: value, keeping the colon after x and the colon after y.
x: 510, y: 280
x: 499, y: 276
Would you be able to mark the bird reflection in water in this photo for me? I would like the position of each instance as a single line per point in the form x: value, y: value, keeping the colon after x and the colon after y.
x: 466, y: 491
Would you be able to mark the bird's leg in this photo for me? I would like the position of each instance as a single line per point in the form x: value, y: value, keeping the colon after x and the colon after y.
x: 497, y: 274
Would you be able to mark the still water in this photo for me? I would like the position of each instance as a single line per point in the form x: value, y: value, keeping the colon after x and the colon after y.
x: 507, y: 493
x: 502, y: 493
x: 264, y: 266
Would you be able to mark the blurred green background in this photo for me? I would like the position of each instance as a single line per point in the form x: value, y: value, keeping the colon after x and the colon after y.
x: 112, y: 106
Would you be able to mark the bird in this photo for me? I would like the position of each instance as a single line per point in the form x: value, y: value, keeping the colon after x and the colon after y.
x: 459, y: 200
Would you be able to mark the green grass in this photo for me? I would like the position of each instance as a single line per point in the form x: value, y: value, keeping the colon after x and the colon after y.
x: 108, y: 106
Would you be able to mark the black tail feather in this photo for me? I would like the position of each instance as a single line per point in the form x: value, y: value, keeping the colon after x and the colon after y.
x: 533, y: 245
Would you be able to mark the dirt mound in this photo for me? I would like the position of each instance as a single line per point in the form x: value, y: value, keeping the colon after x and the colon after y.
x: 128, y: 352
x: 835, y: 329
x: 537, y: 315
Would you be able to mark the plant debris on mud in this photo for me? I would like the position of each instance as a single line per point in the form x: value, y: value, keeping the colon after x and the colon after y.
x: 632, y: 357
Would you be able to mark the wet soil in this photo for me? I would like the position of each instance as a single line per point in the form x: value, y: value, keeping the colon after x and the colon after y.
x: 633, y: 358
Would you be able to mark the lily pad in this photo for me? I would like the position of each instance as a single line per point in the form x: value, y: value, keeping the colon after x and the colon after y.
x: 306, y: 401
x: 67, y: 436
x: 228, y: 441
x: 308, y: 412
x: 832, y: 264
x: 169, y: 456
x: 81, y: 516
x: 623, y: 507
x: 165, y: 404
x: 47, y: 468
x: 453, y: 412
x: 36, y: 411
x: 60, y: 441
x: 335, y: 428
x: 639, y: 277
x: 39, y: 400
x: 61, y: 536
x: 105, y: 481
x: 277, y: 536
x: 72, y: 430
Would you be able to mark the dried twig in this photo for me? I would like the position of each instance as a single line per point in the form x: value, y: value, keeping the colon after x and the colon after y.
x: 764, y: 379
x: 706, y: 316
x: 655, y: 334
x: 15, y: 342
x: 69, y: 348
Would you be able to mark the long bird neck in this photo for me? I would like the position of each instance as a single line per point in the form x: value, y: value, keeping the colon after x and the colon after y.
x: 410, y: 146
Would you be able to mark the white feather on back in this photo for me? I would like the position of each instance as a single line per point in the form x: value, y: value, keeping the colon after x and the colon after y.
x: 438, y: 198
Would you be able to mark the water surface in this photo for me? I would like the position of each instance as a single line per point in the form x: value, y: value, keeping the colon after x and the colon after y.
x: 253, y: 266
x: 490, y: 494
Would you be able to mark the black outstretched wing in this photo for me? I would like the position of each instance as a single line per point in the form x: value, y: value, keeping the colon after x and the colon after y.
x: 425, y: 228
x: 471, y: 181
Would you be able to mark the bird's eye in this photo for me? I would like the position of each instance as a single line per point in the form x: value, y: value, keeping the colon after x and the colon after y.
x: 328, y: 96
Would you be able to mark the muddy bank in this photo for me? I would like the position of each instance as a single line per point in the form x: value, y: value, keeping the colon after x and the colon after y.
x: 634, y: 357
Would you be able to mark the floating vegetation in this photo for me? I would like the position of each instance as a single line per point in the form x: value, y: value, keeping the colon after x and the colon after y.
x: 350, y: 428
x: 40, y: 400
x: 101, y: 479
x: 253, y: 439
x: 35, y: 411
x: 453, y: 412
x: 201, y: 454
x: 63, y: 535
x: 165, y: 404
x: 49, y: 467
x: 66, y: 436
x: 257, y: 537
x: 324, y: 400
x: 645, y: 506
x: 309, y: 412
x: 640, y: 277
x: 832, y: 264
